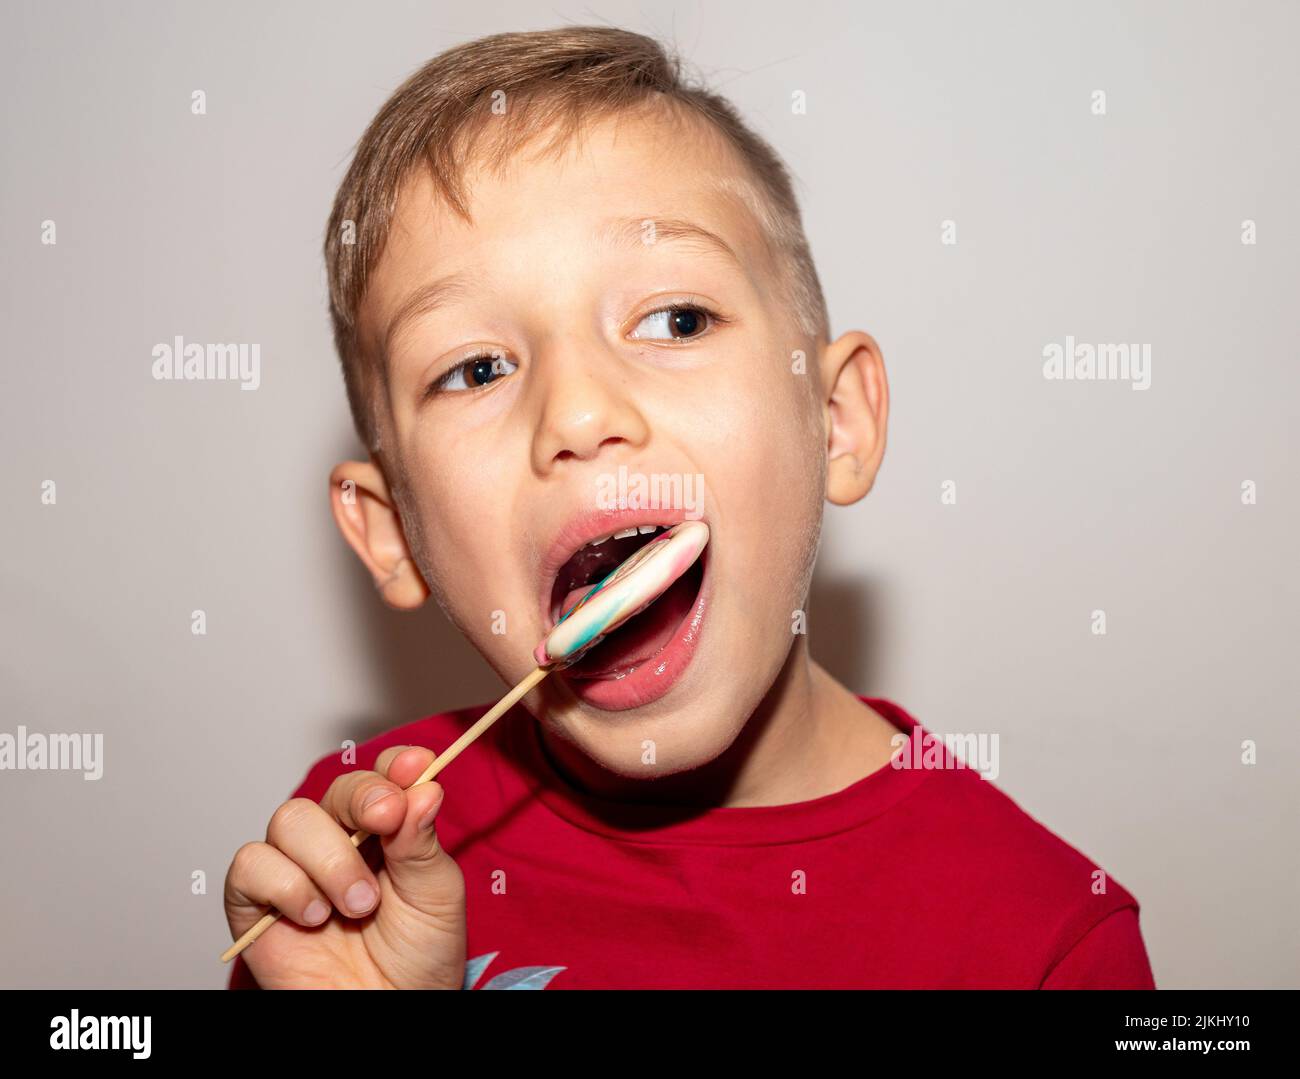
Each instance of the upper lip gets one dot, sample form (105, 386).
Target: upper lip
(585, 527)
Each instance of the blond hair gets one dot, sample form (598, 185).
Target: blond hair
(553, 79)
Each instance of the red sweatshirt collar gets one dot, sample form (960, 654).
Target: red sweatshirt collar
(744, 826)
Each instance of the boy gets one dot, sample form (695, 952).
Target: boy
(554, 264)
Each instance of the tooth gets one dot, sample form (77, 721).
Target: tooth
(625, 533)
(643, 529)
(597, 542)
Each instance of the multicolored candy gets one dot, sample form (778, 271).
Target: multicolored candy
(624, 593)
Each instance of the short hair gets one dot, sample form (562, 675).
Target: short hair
(552, 79)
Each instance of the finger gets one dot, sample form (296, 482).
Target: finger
(365, 800)
(422, 874)
(262, 876)
(313, 839)
(403, 765)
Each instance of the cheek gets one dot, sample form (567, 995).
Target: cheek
(760, 444)
(464, 509)
(758, 434)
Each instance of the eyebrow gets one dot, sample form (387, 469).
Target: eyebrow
(626, 232)
(423, 300)
(633, 231)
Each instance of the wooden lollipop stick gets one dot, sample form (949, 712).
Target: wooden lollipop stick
(435, 766)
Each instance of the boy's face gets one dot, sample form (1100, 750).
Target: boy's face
(506, 466)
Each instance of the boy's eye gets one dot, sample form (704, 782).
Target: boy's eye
(674, 323)
(678, 322)
(474, 373)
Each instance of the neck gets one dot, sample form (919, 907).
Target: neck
(808, 737)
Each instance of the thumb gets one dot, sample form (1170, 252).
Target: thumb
(423, 875)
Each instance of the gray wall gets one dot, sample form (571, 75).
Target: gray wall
(1071, 496)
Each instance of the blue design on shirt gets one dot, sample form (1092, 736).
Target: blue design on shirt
(517, 978)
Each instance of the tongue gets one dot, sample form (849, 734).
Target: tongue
(574, 595)
(641, 637)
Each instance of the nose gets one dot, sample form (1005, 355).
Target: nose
(584, 405)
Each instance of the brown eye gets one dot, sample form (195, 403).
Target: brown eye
(677, 323)
(474, 373)
(480, 372)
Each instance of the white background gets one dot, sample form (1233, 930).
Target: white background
(975, 617)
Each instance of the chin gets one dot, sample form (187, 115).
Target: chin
(689, 727)
(621, 752)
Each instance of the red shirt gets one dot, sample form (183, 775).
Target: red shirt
(908, 878)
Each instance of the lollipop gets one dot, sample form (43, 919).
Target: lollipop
(626, 592)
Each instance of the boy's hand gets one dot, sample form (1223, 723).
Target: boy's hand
(400, 925)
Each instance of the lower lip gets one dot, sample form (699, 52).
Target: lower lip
(654, 677)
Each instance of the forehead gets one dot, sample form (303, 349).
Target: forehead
(625, 176)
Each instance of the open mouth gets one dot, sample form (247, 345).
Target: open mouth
(643, 638)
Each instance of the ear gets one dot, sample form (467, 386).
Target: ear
(855, 412)
(367, 516)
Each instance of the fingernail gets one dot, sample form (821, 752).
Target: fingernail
(316, 912)
(375, 796)
(426, 822)
(360, 897)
